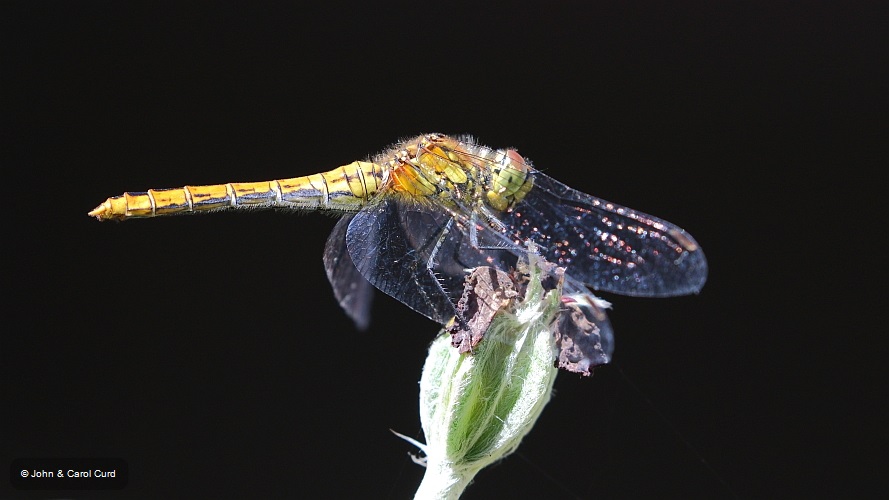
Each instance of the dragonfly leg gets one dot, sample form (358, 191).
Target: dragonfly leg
(430, 261)
(491, 223)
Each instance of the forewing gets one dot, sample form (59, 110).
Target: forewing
(353, 292)
(607, 246)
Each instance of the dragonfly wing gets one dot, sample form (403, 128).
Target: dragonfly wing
(394, 248)
(607, 246)
(353, 292)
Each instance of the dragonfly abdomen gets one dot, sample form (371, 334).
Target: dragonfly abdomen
(344, 189)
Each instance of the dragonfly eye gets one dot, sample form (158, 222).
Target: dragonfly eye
(513, 157)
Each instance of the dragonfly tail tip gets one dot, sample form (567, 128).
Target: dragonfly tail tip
(100, 213)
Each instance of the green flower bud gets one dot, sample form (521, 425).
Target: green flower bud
(476, 407)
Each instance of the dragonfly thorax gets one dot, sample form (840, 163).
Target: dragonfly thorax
(458, 172)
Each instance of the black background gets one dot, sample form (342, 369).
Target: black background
(209, 353)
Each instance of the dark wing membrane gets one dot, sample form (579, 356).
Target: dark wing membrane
(607, 246)
(384, 252)
(353, 292)
(409, 254)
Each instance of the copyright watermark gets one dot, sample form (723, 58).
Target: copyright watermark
(68, 473)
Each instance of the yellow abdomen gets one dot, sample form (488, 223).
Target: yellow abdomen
(344, 189)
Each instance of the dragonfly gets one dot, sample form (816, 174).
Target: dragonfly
(418, 216)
